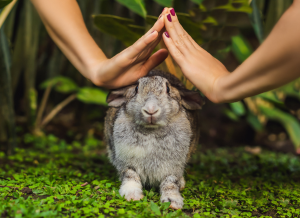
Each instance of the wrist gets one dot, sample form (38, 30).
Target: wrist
(94, 71)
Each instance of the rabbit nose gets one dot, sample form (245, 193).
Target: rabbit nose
(150, 112)
(151, 108)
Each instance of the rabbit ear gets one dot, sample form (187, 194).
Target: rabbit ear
(191, 100)
(116, 98)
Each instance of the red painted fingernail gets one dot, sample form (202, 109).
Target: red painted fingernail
(152, 31)
(172, 12)
(167, 34)
(163, 10)
(169, 17)
(159, 17)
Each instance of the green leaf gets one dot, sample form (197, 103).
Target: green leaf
(270, 96)
(165, 205)
(155, 208)
(92, 95)
(61, 84)
(231, 115)
(136, 6)
(241, 48)
(257, 21)
(290, 123)
(165, 3)
(151, 20)
(117, 27)
(197, 1)
(238, 108)
(254, 122)
(6, 93)
(3, 3)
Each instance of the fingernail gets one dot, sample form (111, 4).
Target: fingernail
(167, 34)
(159, 17)
(163, 10)
(152, 31)
(169, 17)
(172, 12)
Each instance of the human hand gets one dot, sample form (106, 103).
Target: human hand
(132, 63)
(201, 68)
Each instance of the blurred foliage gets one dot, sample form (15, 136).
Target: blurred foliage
(219, 26)
(268, 105)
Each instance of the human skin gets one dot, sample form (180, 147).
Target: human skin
(275, 63)
(65, 25)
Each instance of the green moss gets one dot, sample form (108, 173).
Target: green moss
(220, 183)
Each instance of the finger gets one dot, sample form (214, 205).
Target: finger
(178, 42)
(150, 37)
(140, 45)
(155, 59)
(174, 51)
(183, 35)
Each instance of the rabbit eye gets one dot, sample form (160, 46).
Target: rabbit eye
(168, 89)
(137, 89)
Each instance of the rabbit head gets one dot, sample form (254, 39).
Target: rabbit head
(155, 100)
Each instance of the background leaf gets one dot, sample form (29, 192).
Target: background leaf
(165, 3)
(155, 208)
(238, 108)
(61, 84)
(114, 26)
(92, 95)
(136, 6)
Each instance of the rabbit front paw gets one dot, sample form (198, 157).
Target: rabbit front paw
(131, 190)
(175, 199)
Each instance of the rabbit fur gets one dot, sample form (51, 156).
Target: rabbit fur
(151, 128)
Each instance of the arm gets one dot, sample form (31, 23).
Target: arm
(64, 23)
(275, 63)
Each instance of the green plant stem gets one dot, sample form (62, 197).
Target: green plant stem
(42, 107)
(58, 108)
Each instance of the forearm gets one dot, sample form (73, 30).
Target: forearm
(275, 63)
(65, 24)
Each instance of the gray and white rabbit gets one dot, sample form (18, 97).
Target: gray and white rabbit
(151, 128)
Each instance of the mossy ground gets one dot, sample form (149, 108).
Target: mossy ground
(220, 183)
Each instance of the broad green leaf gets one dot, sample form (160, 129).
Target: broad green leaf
(271, 97)
(136, 6)
(241, 48)
(137, 29)
(61, 84)
(151, 20)
(229, 7)
(165, 205)
(290, 123)
(92, 95)
(117, 27)
(165, 3)
(197, 1)
(155, 208)
(254, 122)
(238, 108)
(231, 115)
(3, 3)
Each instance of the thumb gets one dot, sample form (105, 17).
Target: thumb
(155, 59)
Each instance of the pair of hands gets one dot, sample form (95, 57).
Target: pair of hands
(202, 69)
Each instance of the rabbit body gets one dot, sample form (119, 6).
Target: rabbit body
(150, 135)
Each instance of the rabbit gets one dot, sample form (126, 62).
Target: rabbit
(150, 130)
